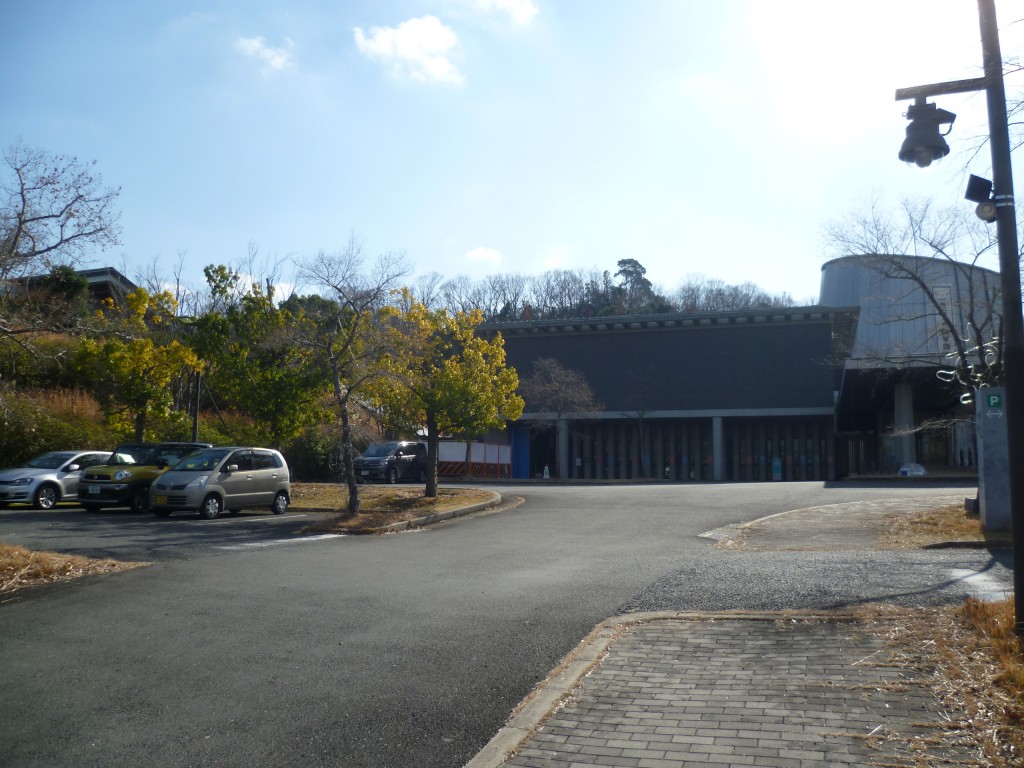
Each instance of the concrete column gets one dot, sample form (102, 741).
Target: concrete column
(623, 445)
(717, 450)
(563, 449)
(903, 424)
(673, 453)
(588, 454)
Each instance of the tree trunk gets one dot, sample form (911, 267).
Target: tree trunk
(341, 398)
(140, 426)
(433, 439)
(346, 459)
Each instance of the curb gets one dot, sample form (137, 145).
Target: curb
(418, 522)
(437, 517)
(550, 694)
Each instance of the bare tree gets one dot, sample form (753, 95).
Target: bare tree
(509, 296)
(554, 389)
(462, 294)
(965, 321)
(426, 289)
(700, 294)
(346, 333)
(556, 392)
(54, 212)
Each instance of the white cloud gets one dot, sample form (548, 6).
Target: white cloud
(274, 59)
(419, 49)
(520, 11)
(484, 254)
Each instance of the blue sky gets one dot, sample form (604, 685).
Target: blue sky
(485, 136)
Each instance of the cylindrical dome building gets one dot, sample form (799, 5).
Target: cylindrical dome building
(917, 317)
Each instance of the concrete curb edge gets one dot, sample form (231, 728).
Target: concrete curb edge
(438, 517)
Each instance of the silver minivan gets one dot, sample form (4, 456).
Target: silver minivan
(218, 479)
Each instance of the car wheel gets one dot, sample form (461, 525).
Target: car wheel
(140, 500)
(46, 497)
(162, 512)
(91, 507)
(392, 475)
(280, 504)
(211, 507)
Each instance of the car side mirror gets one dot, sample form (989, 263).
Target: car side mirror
(72, 468)
(231, 468)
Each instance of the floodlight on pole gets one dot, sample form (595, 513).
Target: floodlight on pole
(924, 142)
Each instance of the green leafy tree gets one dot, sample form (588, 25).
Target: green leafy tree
(445, 377)
(132, 365)
(252, 362)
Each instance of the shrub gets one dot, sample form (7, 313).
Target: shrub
(32, 423)
(312, 456)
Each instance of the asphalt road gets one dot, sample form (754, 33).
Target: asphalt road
(400, 650)
(142, 537)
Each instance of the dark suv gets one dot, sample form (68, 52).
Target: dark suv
(391, 462)
(124, 481)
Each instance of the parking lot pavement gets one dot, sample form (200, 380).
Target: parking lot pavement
(124, 535)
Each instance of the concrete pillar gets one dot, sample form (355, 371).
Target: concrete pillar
(588, 454)
(562, 449)
(717, 450)
(903, 424)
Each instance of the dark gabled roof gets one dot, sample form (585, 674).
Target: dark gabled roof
(676, 320)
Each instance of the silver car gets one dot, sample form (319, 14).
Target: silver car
(218, 479)
(47, 479)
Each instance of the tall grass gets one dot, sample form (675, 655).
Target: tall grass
(993, 623)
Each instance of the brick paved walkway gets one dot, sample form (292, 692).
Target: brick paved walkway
(743, 692)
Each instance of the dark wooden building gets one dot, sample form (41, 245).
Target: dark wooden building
(730, 396)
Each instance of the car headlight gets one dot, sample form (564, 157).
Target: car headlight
(199, 482)
(122, 474)
(22, 481)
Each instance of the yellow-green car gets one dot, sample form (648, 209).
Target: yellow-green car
(124, 481)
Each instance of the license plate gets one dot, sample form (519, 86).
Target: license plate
(161, 499)
(94, 489)
(365, 472)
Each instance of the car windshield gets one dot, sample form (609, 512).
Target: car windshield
(132, 454)
(203, 461)
(378, 450)
(49, 460)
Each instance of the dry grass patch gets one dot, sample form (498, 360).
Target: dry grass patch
(21, 568)
(380, 505)
(951, 650)
(935, 526)
(992, 622)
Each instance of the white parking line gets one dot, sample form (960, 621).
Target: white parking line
(276, 542)
(984, 585)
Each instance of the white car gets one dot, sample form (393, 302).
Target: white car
(47, 479)
(912, 470)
